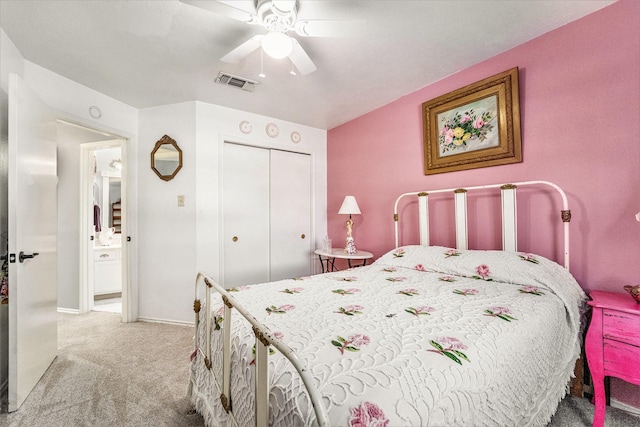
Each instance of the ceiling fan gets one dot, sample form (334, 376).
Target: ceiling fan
(278, 17)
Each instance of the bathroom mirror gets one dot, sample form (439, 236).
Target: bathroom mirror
(166, 158)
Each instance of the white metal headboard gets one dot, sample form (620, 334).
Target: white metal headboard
(509, 214)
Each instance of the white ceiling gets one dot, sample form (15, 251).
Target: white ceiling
(154, 52)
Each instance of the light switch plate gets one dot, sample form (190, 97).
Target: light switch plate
(181, 201)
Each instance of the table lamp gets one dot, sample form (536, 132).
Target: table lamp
(349, 207)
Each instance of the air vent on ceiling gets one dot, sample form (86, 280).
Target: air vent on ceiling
(236, 81)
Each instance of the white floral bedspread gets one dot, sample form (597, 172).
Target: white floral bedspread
(423, 336)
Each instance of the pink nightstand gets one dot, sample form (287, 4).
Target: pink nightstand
(612, 344)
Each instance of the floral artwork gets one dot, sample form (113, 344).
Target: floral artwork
(420, 311)
(409, 292)
(475, 126)
(501, 313)
(280, 310)
(469, 129)
(343, 292)
(396, 279)
(528, 289)
(350, 310)
(447, 279)
(529, 257)
(292, 290)
(368, 414)
(450, 347)
(353, 343)
(465, 292)
(483, 273)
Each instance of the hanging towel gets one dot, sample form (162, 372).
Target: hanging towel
(96, 218)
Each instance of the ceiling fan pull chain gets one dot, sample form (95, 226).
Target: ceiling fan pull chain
(262, 75)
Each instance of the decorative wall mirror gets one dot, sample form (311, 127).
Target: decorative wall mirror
(166, 158)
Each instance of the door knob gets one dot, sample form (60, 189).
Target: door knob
(22, 256)
(235, 238)
(302, 236)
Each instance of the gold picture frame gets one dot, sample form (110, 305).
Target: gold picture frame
(473, 127)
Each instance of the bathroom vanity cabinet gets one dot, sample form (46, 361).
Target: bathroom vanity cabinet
(107, 269)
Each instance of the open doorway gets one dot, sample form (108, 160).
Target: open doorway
(103, 260)
(92, 178)
(106, 229)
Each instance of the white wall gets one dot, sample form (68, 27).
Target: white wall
(169, 243)
(177, 242)
(215, 125)
(167, 232)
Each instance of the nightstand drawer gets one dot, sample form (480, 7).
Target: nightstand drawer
(623, 359)
(621, 326)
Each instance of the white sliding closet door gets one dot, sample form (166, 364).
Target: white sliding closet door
(266, 215)
(245, 215)
(290, 214)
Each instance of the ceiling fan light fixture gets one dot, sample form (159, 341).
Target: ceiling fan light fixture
(277, 45)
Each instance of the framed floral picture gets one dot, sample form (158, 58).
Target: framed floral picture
(473, 127)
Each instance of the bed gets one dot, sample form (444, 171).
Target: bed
(426, 335)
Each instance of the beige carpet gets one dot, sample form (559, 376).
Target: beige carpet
(109, 373)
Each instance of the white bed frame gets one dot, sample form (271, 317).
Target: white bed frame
(264, 338)
(509, 214)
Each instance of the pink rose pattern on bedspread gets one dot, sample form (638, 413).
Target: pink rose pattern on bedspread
(433, 324)
(367, 415)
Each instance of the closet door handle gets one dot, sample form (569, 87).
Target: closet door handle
(302, 236)
(234, 238)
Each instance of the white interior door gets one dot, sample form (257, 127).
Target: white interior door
(32, 230)
(245, 215)
(290, 215)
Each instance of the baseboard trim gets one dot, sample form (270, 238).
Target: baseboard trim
(141, 319)
(627, 408)
(169, 322)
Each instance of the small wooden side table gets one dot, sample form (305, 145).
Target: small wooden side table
(328, 259)
(612, 344)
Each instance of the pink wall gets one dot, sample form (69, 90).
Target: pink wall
(580, 115)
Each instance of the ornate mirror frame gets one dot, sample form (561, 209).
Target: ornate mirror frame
(172, 154)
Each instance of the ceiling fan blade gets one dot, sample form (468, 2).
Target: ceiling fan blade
(283, 6)
(300, 59)
(330, 28)
(244, 49)
(224, 9)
